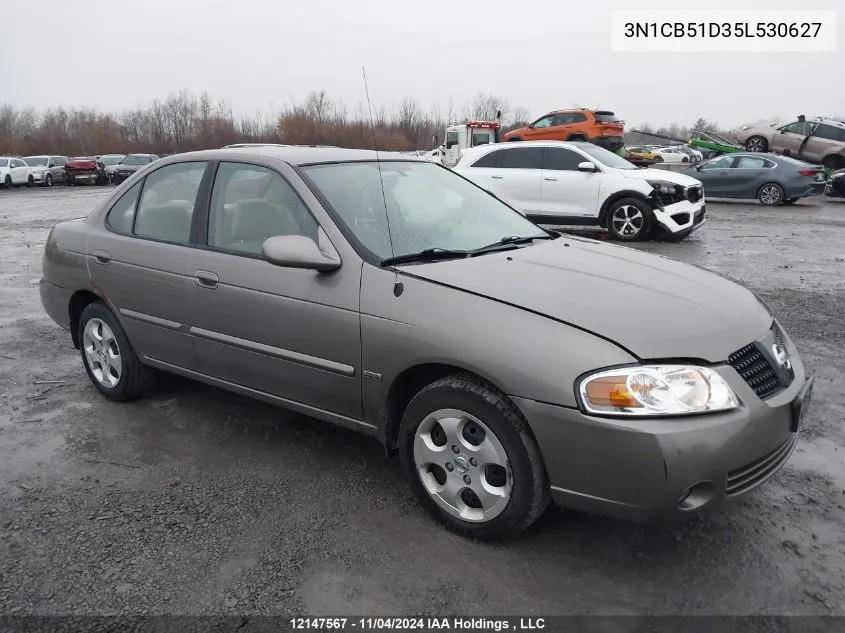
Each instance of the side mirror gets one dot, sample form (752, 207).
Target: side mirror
(298, 251)
(587, 166)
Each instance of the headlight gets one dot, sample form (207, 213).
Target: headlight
(662, 186)
(651, 390)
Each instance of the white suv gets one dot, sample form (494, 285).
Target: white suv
(14, 172)
(580, 183)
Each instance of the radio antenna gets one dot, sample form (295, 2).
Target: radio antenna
(397, 285)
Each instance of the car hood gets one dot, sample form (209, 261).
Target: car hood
(660, 174)
(652, 306)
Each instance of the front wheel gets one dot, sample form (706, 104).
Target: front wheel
(110, 361)
(770, 194)
(30, 181)
(8, 182)
(471, 459)
(48, 180)
(629, 219)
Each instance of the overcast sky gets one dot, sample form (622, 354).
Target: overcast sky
(538, 54)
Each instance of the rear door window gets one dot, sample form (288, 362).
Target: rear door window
(493, 159)
(122, 215)
(830, 132)
(167, 202)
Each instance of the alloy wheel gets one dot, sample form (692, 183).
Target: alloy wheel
(102, 352)
(462, 465)
(627, 220)
(770, 194)
(755, 144)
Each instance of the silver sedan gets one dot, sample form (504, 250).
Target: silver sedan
(505, 365)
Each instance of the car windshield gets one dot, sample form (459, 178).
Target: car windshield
(111, 160)
(135, 160)
(605, 157)
(36, 161)
(429, 207)
(606, 117)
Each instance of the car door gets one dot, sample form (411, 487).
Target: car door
(518, 179)
(791, 137)
(826, 140)
(288, 332)
(746, 175)
(540, 129)
(142, 261)
(715, 175)
(20, 171)
(565, 190)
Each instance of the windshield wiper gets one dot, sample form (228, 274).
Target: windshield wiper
(508, 242)
(425, 255)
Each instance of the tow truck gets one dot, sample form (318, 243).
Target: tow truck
(470, 134)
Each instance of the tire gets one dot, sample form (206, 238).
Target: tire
(577, 137)
(685, 159)
(30, 181)
(8, 182)
(132, 380)
(756, 144)
(48, 180)
(770, 194)
(637, 219)
(477, 410)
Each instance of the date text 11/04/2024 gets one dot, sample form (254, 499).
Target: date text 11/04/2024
(465, 624)
(722, 29)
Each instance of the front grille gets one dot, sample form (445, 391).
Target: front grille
(694, 194)
(751, 475)
(755, 370)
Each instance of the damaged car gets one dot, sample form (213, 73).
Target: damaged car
(817, 140)
(835, 185)
(85, 170)
(578, 183)
(505, 365)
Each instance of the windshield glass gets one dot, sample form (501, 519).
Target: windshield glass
(605, 157)
(606, 117)
(111, 160)
(36, 161)
(428, 206)
(135, 160)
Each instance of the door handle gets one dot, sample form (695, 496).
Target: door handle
(101, 257)
(205, 279)
(723, 173)
(549, 178)
(496, 177)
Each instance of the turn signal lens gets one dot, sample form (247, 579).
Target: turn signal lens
(656, 390)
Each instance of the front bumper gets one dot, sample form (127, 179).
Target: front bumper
(681, 217)
(84, 177)
(645, 469)
(38, 176)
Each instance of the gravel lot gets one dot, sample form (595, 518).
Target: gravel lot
(196, 501)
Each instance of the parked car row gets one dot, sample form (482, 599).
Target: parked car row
(659, 154)
(48, 169)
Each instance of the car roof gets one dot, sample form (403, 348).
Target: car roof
(297, 154)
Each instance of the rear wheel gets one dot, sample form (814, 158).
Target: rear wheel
(770, 194)
(110, 361)
(471, 459)
(48, 180)
(629, 219)
(756, 144)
